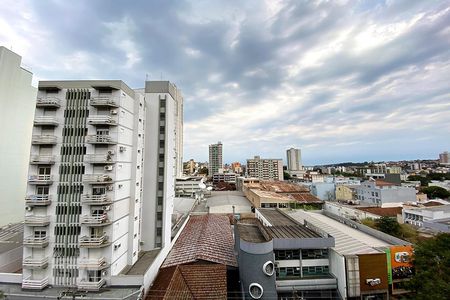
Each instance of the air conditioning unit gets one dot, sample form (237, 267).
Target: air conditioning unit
(111, 152)
(110, 188)
(28, 208)
(114, 111)
(122, 149)
(106, 207)
(108, 168)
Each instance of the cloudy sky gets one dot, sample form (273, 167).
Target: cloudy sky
(342, 80)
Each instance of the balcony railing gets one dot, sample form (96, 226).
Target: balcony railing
(91, 284)
(102, 120)
(43, 139)
(97, 179)
(96, 199)
(105, 101)
(40, 179)
(48, 102)
(100, 139)
(42, 159)
(35, 263)
(99, 158)
(96, 220)
(37, 220)
(36, 242)
(38, 200)
(93, 263)
(46, 120)
(94, 242)
(34, 284)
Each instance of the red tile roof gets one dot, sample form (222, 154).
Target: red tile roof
(432, 203)
(305, 198)
(206, 237)
(383, 211)
(282, 187)
(190, 282)
(380, 182)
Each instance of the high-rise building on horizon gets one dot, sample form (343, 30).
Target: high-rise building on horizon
(103, 156)
(444, 158)
(215, 158)
(265, 168)
(17, 105)
(294, 159)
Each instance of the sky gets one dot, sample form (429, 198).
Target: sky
(341, 80)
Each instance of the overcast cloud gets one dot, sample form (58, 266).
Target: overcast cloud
(342, 80)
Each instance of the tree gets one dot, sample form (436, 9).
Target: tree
(388, 225)
(436, 192)
(431, 262)
(286, 176)
(423, 180)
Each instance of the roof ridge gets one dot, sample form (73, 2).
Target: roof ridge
(185, 281)
(200, 237)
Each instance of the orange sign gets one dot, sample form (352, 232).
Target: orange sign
(401, 264)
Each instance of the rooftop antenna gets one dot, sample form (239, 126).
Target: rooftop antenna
(146, 76)
(161, 76)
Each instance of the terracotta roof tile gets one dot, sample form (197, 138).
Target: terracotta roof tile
(383, 211)
(205, 237)
(190, 282)
(305, 198)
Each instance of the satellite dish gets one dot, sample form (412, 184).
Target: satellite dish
(202, 185)
(209, 188)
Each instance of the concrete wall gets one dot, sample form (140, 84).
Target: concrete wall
(337, 268)
(17, 106)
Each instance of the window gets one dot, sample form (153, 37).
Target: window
(315, 271)
(287, 254)
(255, 290)
(314, 253)
(42, 190)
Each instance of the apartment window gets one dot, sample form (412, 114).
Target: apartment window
(159, 216)
(315, 271)
(286, 273)
(287, 254)
(42, 190)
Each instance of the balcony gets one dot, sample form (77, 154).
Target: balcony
(101, 139)
(42, 159)
(94, 242)
(40, 179)
(95, 220)
(35, 263)
(97, 179)
(104, 101)
(48, 102)
(36, 241)
(92, 263)
(43, 139)
(99, 158)
(102, 120)
(46, 121)
(34, 284)
(38, 200)
(91, 284)
(95, 199)
(37, 220)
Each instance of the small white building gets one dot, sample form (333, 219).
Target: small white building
(417, 216)
(224, 177)
(382, 193)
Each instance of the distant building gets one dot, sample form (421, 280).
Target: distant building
(443, 158)
(294, 159)
(443, 184)
(236, 167)
(189, 167)
(17, 106)
(381, 193)
(224, 177)
(345, 192)
(215, 158)
(265, 169)
(241, 181)
(187, 186)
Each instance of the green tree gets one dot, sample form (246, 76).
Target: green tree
(431, 261)
(423, 180)
(388, 225)
(286, 176)
(436, 192)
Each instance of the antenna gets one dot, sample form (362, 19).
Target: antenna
(161, 76)
(146, 76)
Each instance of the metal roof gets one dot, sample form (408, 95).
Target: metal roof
(291, 232)
(348, 240)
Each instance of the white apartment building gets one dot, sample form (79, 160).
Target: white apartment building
(224, 177)
(265, 169)
(215, 158)
(102, 157)
(17, 105)
(294, 159)
(381, 193)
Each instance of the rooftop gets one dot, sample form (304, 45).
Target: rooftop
(282, 187)
(251, 233)
(291, 232)
(11, 236)
(382, 211)
(144, 261)
(347, 240)
(432, 203)
(305, 198)
(380, 182)
(235, 198)
(205, 237)
(190, 282)
(277, 218)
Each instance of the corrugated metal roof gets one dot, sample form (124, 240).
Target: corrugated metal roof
(291, 232)
(205, 237)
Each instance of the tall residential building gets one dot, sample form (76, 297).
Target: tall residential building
(294, 159)
(443, 158)
(164, 160)
(17, 105)
(265, 169)
(215, 158)
(102, 157)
